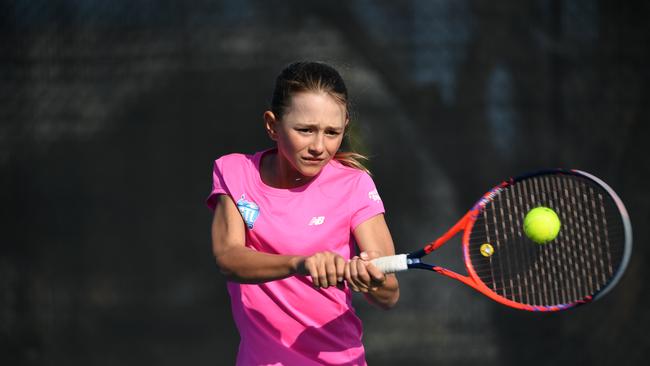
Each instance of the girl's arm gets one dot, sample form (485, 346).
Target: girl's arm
(242, 264)
(374, 240)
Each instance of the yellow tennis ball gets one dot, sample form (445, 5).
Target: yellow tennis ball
(541, 225)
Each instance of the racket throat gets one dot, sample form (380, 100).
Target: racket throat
(417, 263)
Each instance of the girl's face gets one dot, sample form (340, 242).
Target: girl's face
(310, 132)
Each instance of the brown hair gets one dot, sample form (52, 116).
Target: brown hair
(312, 76)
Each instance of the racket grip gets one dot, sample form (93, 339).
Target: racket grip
(391, 263)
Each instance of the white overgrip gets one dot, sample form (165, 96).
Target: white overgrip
(391, 263)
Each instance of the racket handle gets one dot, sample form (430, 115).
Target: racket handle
(391, 263)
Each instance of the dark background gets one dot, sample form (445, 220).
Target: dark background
(111, 113)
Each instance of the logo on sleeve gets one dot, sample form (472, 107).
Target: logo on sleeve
(249, 211)
(374, 195)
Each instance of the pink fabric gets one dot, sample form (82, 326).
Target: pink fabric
(289, 322)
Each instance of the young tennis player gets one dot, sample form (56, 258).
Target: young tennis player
(287, 224)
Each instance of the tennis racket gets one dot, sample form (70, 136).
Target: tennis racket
(580, 265)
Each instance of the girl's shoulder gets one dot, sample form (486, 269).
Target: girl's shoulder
(237, 160)
(346, 172)
(345, 179)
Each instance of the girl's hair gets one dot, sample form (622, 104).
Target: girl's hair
(309, 76)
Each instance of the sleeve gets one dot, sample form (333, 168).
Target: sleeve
(366, 202)
(218, 185)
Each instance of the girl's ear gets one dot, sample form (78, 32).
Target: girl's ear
(270, 123)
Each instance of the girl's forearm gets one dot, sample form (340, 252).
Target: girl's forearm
(244, 265)
(385, 296)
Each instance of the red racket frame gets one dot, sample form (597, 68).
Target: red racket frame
(466, 224)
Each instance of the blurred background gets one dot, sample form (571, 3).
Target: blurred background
(112, 112)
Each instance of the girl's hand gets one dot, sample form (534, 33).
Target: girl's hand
(363, 276)
(325, 268)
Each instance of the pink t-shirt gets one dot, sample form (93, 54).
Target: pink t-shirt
(288, 321)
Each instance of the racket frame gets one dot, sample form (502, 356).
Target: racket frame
(466, 223)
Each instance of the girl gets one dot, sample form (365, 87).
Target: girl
(286, 223)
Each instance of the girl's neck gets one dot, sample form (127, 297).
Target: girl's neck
(276, 172)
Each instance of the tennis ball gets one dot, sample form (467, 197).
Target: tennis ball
(541, 225)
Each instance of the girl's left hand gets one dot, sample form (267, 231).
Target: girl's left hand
(363, 276)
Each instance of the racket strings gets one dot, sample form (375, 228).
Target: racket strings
(577, 264)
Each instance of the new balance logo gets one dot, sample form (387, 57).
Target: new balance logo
(317, 220)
